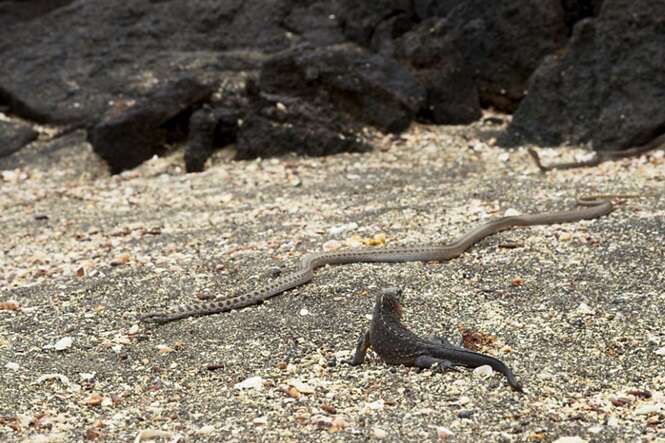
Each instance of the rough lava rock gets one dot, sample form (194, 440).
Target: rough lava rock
(359, 20)
(433, 8)
(96, 52)
(316, 23)
(133, 131)
(576, 10)
(431, 53)
(372, 89)
(309, 100)
(103, 66)
(20, 11)
(276, 124)
(502, 41)
(135, 71)
(607, 87)
(52, 154)
(13, 136)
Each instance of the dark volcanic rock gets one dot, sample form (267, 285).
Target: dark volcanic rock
(607, 87)
(504, 41)
(576, 10)
(385, 34)
(99, 51)
(314, 133)
(316, 23)
(16, 12)
(433, 8)
(501, 41)
(360, 19)
(431, 53)
(309, 100)
(372, 89)
(134, 131)
(13, 136)
(54, 154)
(276, 124)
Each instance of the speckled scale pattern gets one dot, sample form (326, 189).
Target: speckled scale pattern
(397, 345)
(590, 209)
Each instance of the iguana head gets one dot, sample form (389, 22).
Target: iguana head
(390, 300)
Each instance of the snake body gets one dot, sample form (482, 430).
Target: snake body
(590, 208)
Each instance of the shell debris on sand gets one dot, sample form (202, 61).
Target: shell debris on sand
(575, 310)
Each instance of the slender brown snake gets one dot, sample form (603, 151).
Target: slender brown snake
(598, 156)
(591, 207)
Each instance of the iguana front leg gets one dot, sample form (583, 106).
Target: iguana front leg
(361, 349)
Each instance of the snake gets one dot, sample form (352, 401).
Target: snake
(589, 208)
(599, 156)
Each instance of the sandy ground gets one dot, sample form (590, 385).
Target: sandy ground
(576, 310)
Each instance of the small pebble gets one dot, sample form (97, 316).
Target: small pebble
(154, 434)
(292, 392)
(465, 414)
(443, 433)
(483, 371)
(63, 343)
(331, 245)
(339, 423)
(9, 305)
(205, 430)
(612, 421)
(340, 229)
(565, 236)
(93, 400)
(647, 409)
(585, 309)
(281, 365)
(120, 260)
(376, 405)
(302, 387)
(573, 439)
(255, 382)
(164, 349)
(379, 433)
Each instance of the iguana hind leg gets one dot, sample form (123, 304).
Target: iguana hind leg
(437, 364)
